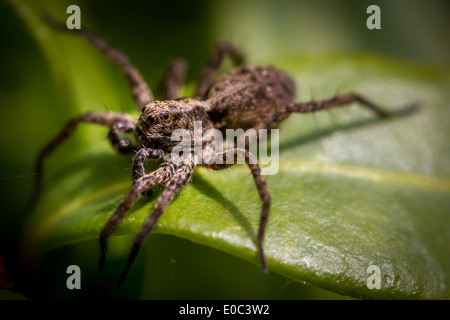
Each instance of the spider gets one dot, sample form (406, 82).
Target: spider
(248, 96)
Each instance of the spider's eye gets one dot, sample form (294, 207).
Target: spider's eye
(165, 116)
(150, 119)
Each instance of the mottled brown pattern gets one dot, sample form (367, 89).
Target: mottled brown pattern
(247, 97)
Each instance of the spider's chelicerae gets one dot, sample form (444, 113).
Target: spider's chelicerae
(258, 97)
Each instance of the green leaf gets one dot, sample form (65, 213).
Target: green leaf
(352, 191)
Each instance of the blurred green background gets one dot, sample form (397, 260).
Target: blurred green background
(32, 93)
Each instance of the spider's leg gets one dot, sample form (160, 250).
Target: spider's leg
(120, 143)
(209, 71)
(141, 185)
(173, 80)
(139, 88)
(260, 183)
(109, 119)
(339, 100)
(180, 179)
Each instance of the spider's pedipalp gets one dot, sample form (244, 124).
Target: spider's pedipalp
(177, 182)
(139, 160)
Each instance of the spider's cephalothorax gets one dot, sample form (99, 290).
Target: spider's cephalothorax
(258, 97)
(159, 119)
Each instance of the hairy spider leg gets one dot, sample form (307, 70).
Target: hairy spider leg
(120, 143)
(339, 100)
(139, 88)
(179, 180)
(173, 80)
(141, 185)
(118, 122)
(260, 183)
(219, 53)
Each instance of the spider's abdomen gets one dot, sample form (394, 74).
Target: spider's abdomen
(249, 96)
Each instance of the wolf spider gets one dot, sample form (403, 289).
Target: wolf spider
(257, 97)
